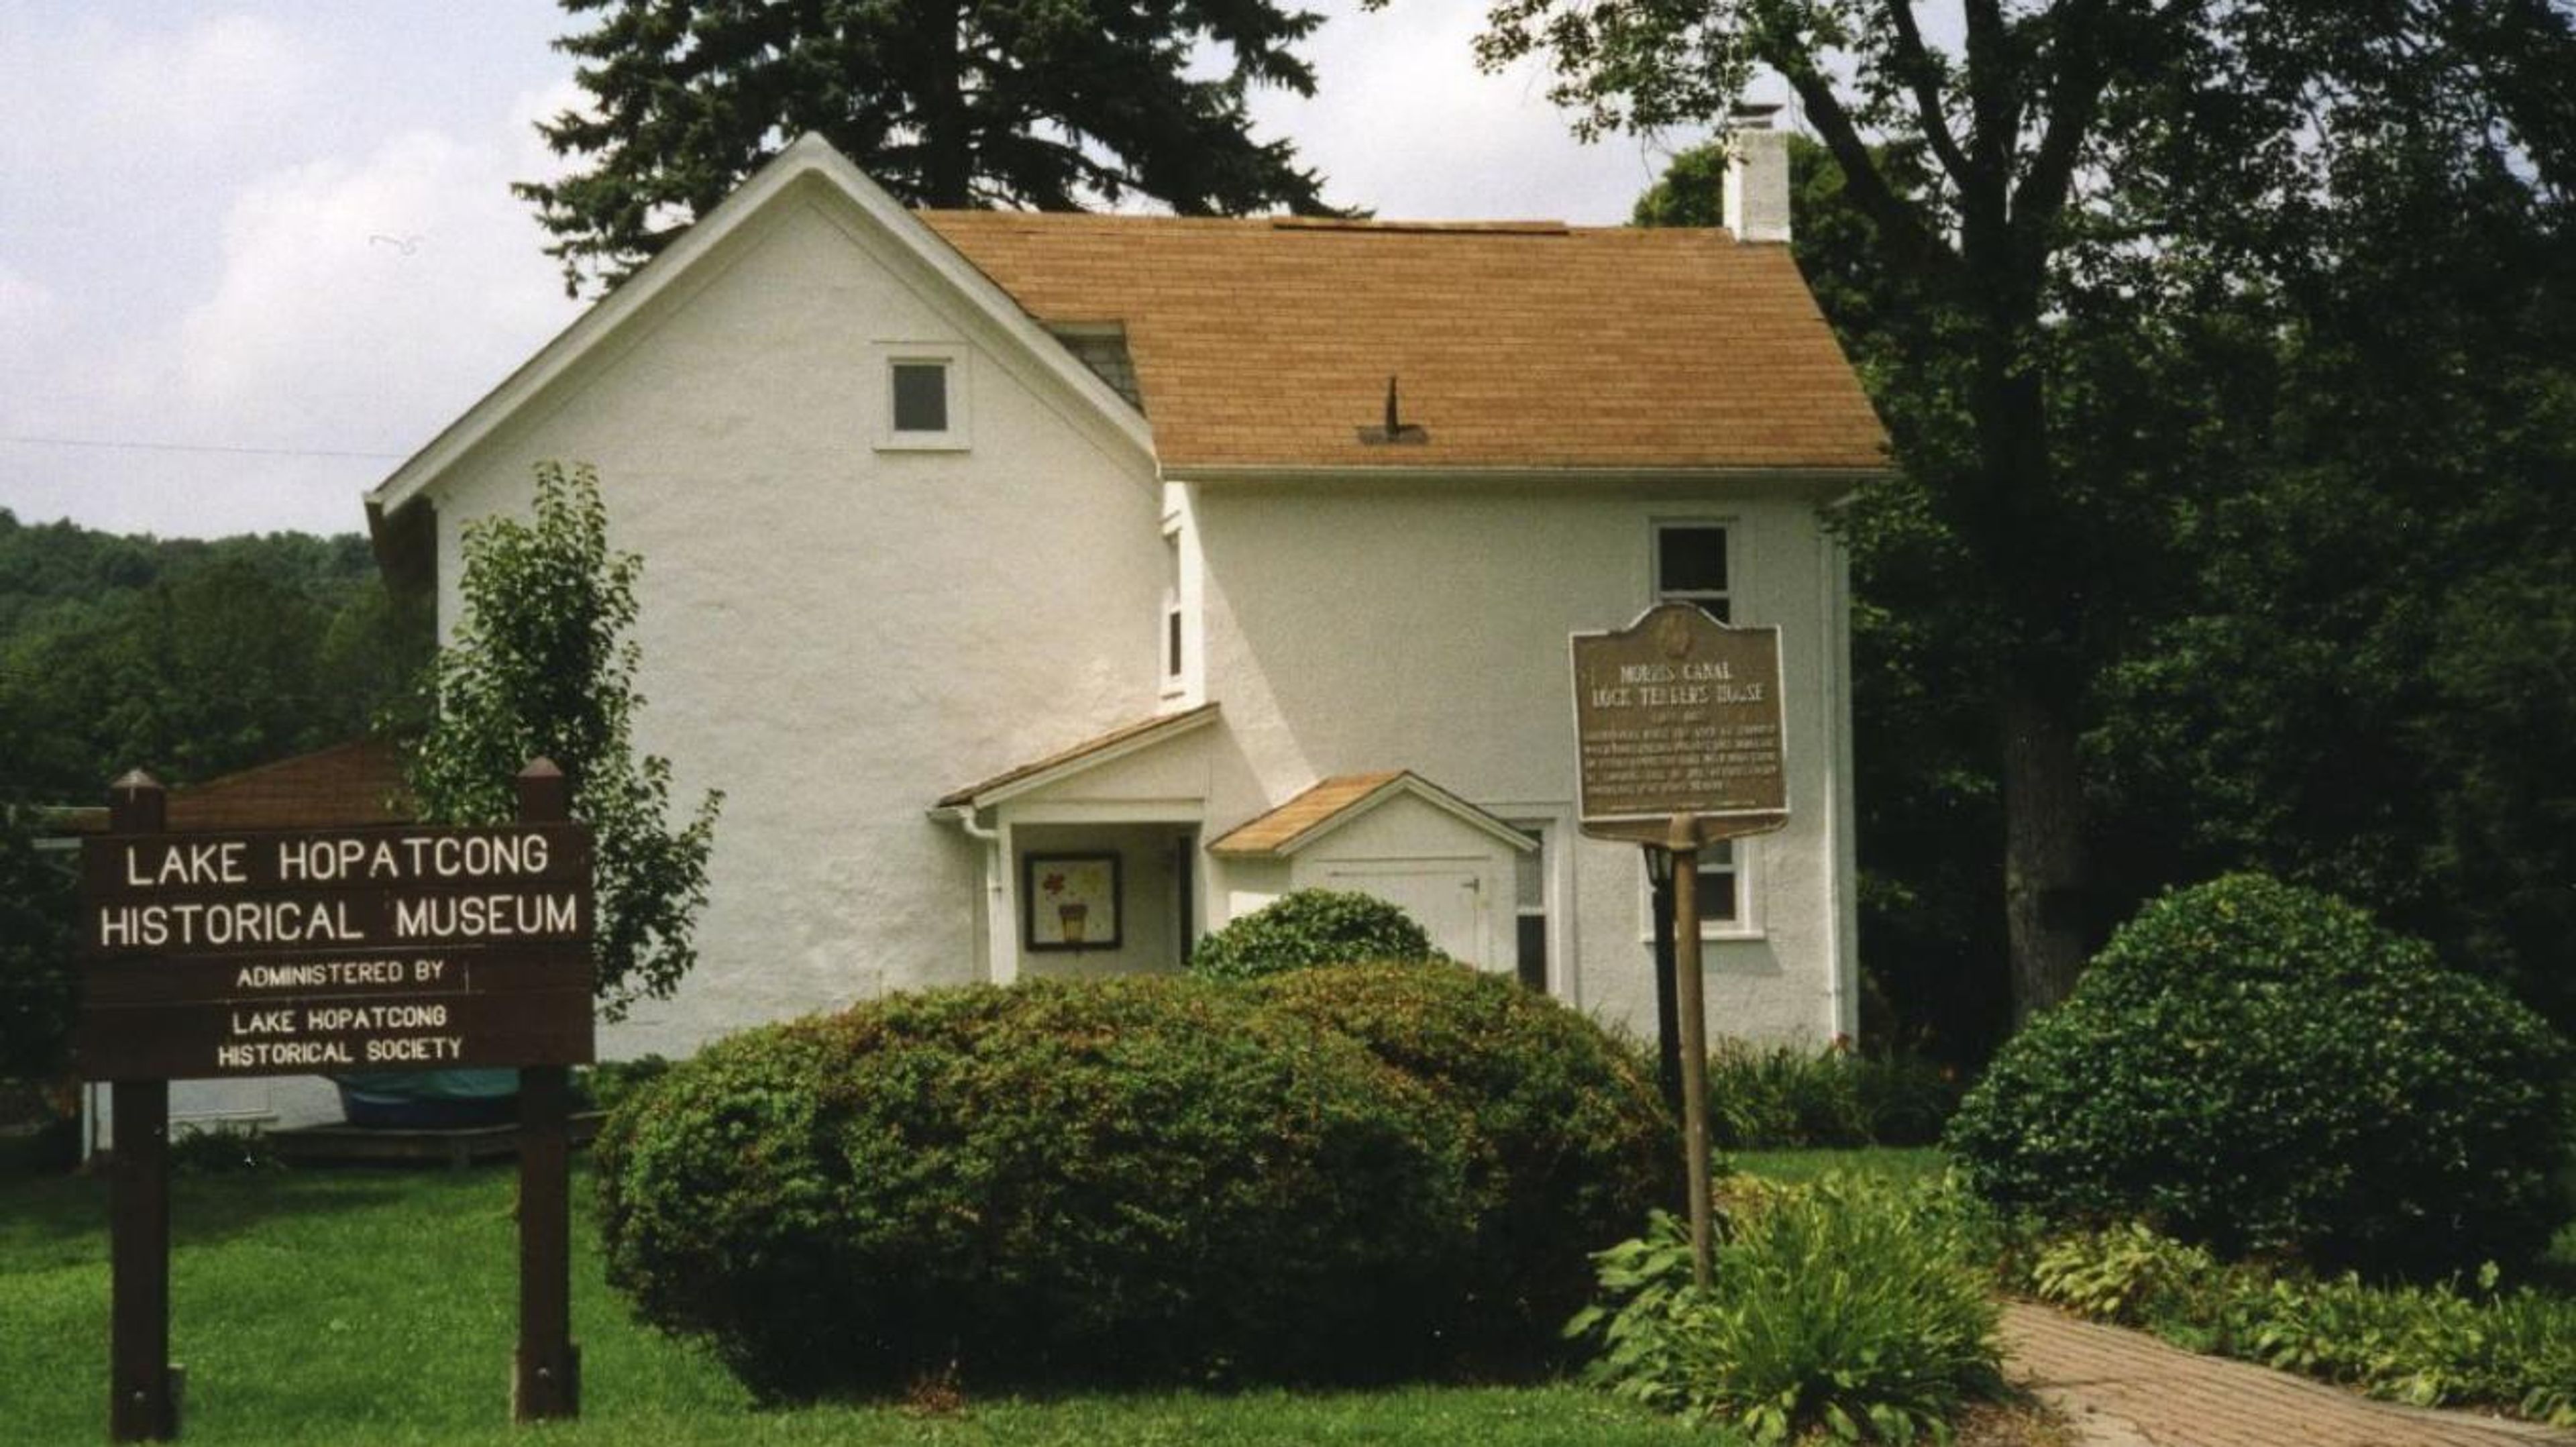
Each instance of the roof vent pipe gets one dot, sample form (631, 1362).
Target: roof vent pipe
(1757, 176)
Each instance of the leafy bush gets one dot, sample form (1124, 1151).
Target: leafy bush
(611, 1083)
(1570, 1144)
(1308, 927)
(1844, 1306)
(1135, 1178)
(2263, 1069)
(1789, 1096)
(2441, 1345)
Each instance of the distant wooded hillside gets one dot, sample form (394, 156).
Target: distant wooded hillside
(186, 656)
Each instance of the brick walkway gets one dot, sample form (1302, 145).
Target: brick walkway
(2126, 1389)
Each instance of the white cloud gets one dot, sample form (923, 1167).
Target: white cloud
(1402, 121)
(353, 294)
(207, 86)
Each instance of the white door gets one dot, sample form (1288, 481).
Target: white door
(1447, 900)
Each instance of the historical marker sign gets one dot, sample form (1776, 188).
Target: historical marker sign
(335, 950)
(1679, 714)
(1679, 742)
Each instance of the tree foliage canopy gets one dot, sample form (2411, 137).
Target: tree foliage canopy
(949, 103)
(187, 657)
(540, 666)
(2098, 218)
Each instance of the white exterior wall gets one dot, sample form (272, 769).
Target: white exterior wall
(832, 633)
(1454, 879)
(1422, 625)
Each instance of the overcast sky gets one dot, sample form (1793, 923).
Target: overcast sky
(252, 255)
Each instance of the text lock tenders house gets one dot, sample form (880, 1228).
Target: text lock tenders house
(1044, 591)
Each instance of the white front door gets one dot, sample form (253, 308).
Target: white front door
(1447, 900)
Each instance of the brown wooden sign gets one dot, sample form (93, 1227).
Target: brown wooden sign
(297, 1034)
(1679, 714)
(334, 950)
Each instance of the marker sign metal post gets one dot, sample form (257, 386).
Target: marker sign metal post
(332, 950)
(1680, 741)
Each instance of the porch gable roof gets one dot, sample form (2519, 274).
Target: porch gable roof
(1331, 803)
(1090, 753)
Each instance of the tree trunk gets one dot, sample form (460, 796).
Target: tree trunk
(947, 170)
(2017, 519)
(2044, 867)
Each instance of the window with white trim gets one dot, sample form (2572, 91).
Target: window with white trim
(1692, 565)
(923, 397)
(1171, 611)
(920, 396)
(1529, 905)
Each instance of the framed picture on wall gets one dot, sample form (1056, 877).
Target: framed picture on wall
(1070, 901)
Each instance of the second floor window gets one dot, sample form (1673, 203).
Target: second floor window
(1690, 566)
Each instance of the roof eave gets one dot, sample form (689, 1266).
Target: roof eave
(809, 158)
(1829, 481)
(1008, 786)
(1406, 782)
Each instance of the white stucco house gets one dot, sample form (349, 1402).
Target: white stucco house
(1045, 591)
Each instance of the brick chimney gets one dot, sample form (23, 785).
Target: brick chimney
(1757, 176)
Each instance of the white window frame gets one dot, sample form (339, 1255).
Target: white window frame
(956, 361)
(1172, 644)
(1747, 924)
(1655, 590)
(1556, 859)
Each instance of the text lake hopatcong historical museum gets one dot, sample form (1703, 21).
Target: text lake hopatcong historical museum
(1045, 591)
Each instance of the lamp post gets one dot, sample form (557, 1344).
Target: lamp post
(1668, 1023)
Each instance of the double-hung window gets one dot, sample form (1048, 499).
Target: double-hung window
(1692, 564)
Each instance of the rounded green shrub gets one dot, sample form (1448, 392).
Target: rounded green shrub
(2263, 1069)
(1571, 1144)
(1129, 1179)
(1309, 927)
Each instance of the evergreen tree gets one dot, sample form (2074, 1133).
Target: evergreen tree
(951, 103)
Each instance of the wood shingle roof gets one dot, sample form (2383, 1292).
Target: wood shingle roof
(1268, 343)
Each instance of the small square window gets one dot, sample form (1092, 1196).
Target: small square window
(921, 396)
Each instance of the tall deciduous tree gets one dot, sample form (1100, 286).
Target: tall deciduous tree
(945, 102)
(540, 666)
(2087, 169)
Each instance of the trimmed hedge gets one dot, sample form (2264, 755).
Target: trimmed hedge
(1571, 1143)
(1128, 1179)
(2264, 1069)
(1309, 927)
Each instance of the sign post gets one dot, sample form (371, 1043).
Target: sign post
(1679, 743)
(545, 1380)
(213, 955)
(143, 1403)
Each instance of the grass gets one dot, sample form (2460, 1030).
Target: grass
(350, 1306)
(1794, 1167)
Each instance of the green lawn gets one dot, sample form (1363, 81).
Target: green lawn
(349, 1306)
(1792, 1167)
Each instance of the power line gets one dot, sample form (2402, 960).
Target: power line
(109, 444)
